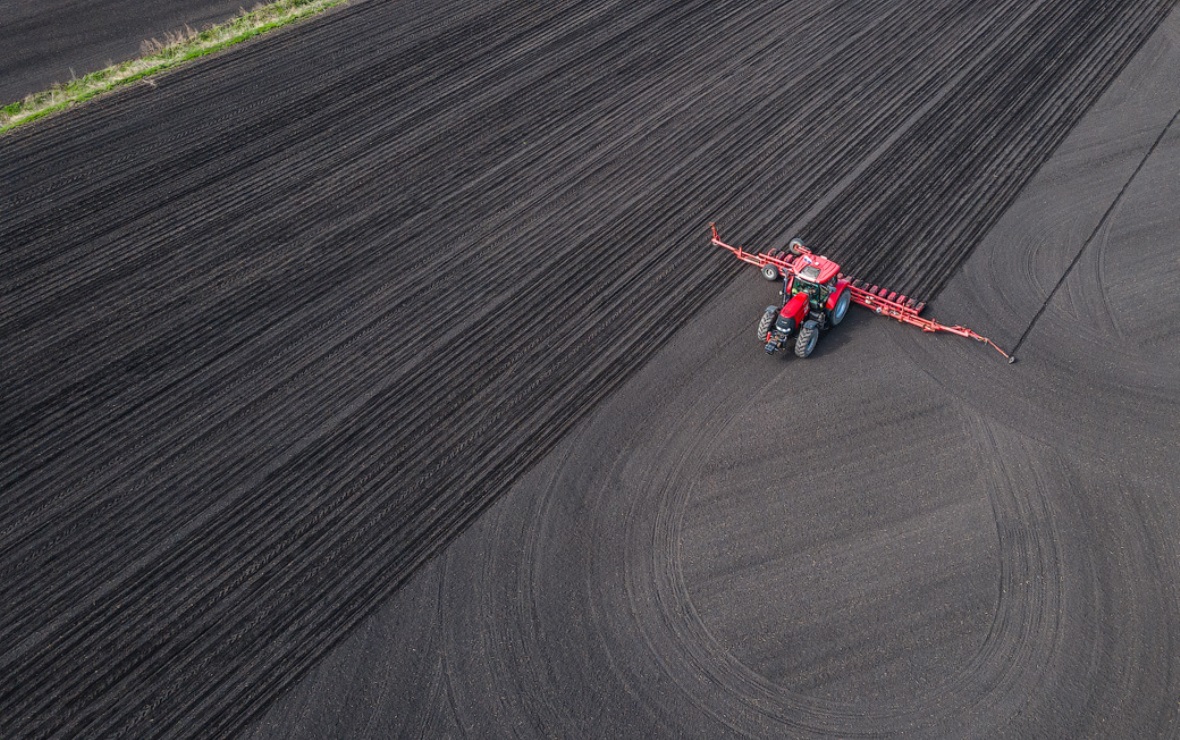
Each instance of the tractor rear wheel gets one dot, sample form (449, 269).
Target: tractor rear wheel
(836, 315)
(808, 336)
(766, 322)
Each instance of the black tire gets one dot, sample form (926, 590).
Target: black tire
(793, 247)
(837, 314)
(770, 272)
(808, 336)
(766, 322)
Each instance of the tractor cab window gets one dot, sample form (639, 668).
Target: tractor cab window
(817, 294)
(804, 286)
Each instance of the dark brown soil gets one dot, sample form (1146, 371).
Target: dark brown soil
(274, 332)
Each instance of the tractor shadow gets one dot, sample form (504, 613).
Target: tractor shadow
(833, 341)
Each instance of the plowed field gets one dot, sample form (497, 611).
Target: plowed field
(274, 331)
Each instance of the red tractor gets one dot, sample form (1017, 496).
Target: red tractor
(814, 299)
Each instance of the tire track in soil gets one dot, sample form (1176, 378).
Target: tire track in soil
(1003, 670)
(246, 331)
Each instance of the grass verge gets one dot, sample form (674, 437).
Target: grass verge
(158, 56)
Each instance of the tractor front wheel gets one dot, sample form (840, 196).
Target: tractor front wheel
(808, 336)
(766, 322)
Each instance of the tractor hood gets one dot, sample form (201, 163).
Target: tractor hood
(795, 309)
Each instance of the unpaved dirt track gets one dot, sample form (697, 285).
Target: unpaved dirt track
(48, 41)
(277, 329)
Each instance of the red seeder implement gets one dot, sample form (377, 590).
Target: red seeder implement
(794, 267)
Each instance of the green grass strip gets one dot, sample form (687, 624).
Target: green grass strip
(159, 56)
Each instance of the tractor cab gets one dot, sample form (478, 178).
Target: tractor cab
(814, 297)
(814, 275)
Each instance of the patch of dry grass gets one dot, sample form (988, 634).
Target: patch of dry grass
(157, 56)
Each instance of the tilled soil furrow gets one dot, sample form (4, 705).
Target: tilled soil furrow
(235, 312)
(1045, 83)
(126, 509)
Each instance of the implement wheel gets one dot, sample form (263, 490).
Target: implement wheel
(808, 336)
(766, 322)
(770, 272)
